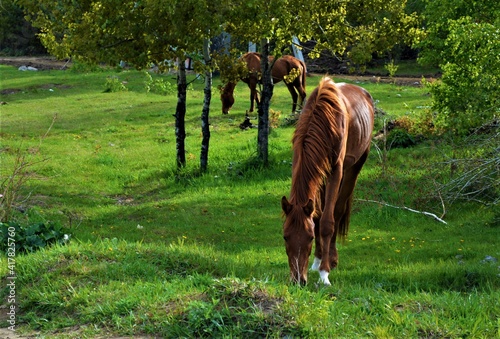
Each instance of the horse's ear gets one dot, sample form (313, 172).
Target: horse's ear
(285, 205)
(309, 208)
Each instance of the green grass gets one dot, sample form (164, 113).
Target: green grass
(160, 253)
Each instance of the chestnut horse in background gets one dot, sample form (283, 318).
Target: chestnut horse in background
(281, 68)
(330, 145)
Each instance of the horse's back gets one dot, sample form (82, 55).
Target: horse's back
(360, 109)
(284, 65)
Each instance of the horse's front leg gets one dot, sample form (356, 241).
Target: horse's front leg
(251, 101)
(320, 201)
(317, 250)
(252, 84)
(327, 223)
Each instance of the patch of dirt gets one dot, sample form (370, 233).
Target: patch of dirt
(50, 87)
(40, 63)
(5, 333)
(9, 91)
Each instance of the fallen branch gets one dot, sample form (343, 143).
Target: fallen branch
(406, 209)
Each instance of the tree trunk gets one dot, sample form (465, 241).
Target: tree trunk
(205, 125)
(180, 114)
(265, 101)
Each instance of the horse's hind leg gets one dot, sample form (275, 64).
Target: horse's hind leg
(343, 206)
(302, 94)
(253, 98)
(334, 256)
(294, 94)
(300, 87)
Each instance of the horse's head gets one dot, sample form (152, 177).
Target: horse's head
(227, 97)
(298, 232)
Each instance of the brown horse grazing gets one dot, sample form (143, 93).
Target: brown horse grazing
(282, 68)
(330, 145)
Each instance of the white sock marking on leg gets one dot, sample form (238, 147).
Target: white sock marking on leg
(315, 265)
(323, 277)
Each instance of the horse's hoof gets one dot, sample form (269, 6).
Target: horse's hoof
(323, 277)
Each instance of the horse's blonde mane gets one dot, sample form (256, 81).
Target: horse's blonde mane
(321, 126)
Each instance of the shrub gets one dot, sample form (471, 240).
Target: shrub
(158, 86)
(392, 68)
(467, 95)
(113, 84)
(400, 138)
(399, 133)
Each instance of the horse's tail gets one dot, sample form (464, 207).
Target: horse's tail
(302, 85)
(303, 75)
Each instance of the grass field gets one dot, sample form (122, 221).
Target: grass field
(157, 253)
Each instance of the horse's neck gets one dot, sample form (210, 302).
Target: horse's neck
(300, 199)
(305, 186)
(229, 88)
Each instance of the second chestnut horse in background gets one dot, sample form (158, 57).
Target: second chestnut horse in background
(287, 68)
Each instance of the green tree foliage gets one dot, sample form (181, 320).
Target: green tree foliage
(468, 94)
(462, 39)
(141, 32)
(438, 16)
(138, 32)
(358, 29)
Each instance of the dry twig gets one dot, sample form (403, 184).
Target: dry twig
(406, 209)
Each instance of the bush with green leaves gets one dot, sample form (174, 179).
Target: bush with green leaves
(400, 138)
(438, 16)
(31, 238)
(158, 86)
(462, 39)
(113, 84)
(468, 94)
(392, 68)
